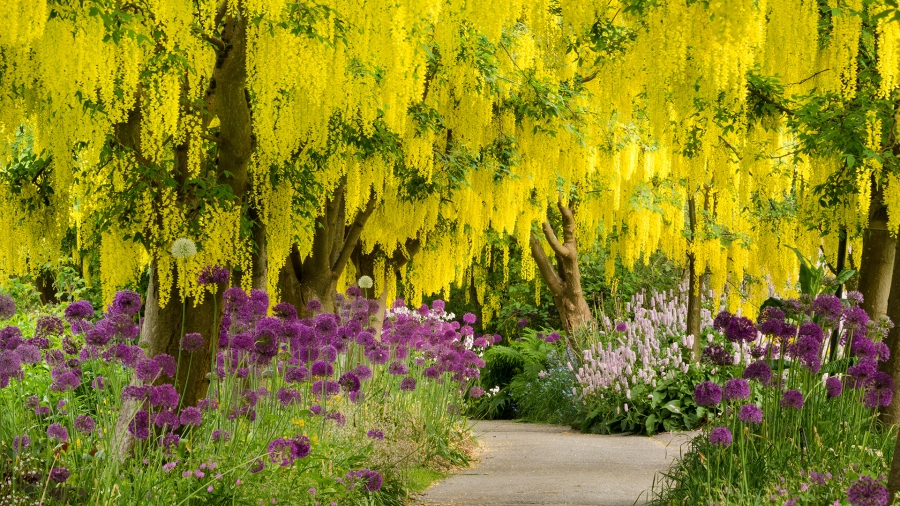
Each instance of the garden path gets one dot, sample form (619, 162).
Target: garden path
(550, 464)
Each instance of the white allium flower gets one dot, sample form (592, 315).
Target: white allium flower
(365, 282)
(183, 248)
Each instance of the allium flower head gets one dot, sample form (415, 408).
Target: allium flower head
(750, 413)
(862, 371)
(722, 320)
(854, 297)
(867, 492)
(313, 306)
(192, 342)
(84, 424)
(191, 416)
(834, 387)
(183, 248)
(375, 434)
(79, 310)
(856, 320)
(213, 274)
(29, 354)
(371, 479)
(147, 370)
(408, 384)
(720, 436)
(21, 442)
(771, 327)
(879, 390)
(792, 399)
(49, 326)
(287, 396)
(7, 307)
(716, 354)
(522, 323)
(740, 330)
(469, 318)
(707, 394)
(828, 308)
(476, 392)
(759, 371)
(349, 382)
(621, 327)
(126, 302)
(58, 432)
(365, 282)
(398, 368)
(736, 388)
(552, 337)
(59, 474)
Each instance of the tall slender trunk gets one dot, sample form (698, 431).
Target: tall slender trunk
(161, 332)
(890, 415)
(877, 262)
(695, 286)
(564, 281)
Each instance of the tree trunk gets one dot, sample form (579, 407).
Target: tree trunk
(891, 414)
(333, 244)
(877, 264)
(365, 265)
(695, 288)
(564, 282)
(161, 332)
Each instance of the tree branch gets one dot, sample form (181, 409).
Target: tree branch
(544, 266)
(352, 237)
(568, 219)
(558, 248)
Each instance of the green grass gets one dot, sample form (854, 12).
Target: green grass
(419, 478)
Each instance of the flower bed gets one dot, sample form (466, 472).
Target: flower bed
(298, 411)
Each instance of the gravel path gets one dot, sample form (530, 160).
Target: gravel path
(549, 464)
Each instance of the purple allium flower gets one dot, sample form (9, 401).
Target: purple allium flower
(431, 372)
(70, 347)
(552, 337)
(363, 372)
(720, 436)
(828, 307)
(84, 424)
(349, 382)
(792, 399)
(7, 307)
(219, 435)
(759, 371)
(721, 321)
(862, 371)
(867, 492)
(338, 418)
(287, 396)
(375, 434)
(476, 392)
(313, 306)
(716, 354)
(29, 354)
(147, 370)
(213, 274)
(522, 323)
(170, 439)
(167, 364)
(32, 402)
(882, 352)
(621, 327)
(283, 451)
(10, 364)
(302, 445)
(192, 342)
(65, 382)
(41, 411)
(126, 302)
(750, 413)
(740, 330)
(296, 374)
(99, 335)
(408, 384)
(879, 390)
(59, 474)
(863, 347)
(49, 326)
(398, 368)
(258, 466)
(379, 355)
(365, 338)
(135, 393)
(21, 442)
(788, 331)
(854, 297)
(771, 327)
(812, 330)
(707, 394)
(58, 432)
(321, 368)
(855, 320)
(736, 388)
(191, 416)
(39, 342)
(79, 310)
(469, 318)
(834, 387)
(371, 479)
(164, 396)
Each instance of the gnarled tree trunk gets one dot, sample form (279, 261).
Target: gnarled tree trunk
(365, 265)
(564, 282)
(315, 277)
(877, 262)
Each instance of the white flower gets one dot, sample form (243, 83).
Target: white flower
(184, 248)
(365, 282)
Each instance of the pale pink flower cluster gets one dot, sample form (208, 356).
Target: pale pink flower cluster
(653, 347)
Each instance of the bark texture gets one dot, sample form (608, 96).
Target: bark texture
(563, 281)
(877, 262)
(316, 276)
(161, 333)
(365, 265)
(891, 413)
